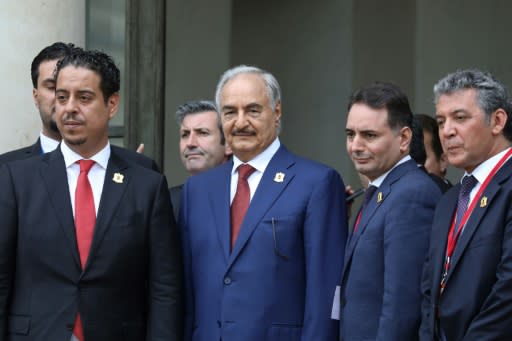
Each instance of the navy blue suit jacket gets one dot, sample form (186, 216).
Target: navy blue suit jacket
(476, 304)
(279, 281)
(380, 287)
(129, 287)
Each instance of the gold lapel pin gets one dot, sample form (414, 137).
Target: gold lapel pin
(379, 197)
(279, 177)
(118, 178)
(483, 202)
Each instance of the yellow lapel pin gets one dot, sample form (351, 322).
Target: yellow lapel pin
(118, 178)
(379, 197)
(279, 177)
(483, 202)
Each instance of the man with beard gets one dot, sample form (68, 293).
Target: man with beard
(42, 73)
(202, 143)
(43, 93)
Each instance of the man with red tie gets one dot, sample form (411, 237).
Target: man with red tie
(467, 284)
(88, 246)
(380, 294)
(263, 233)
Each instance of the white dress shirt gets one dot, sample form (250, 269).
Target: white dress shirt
(260, 163)
(96, 174)
(47, 144)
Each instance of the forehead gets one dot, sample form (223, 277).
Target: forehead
(244, 88)
(46, 69)
(465, 99)
(364, 117)
(204, 119)
(70, 77)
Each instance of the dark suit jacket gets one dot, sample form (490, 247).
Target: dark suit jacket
(175, 193)
(129, 287)
(477, 301)
(278, 283)
(35, 149)
(22, 153)
(380, 286)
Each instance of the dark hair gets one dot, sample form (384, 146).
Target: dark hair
(429, 124)
(199, 106)
(491, 94)
(389, 96)
(417, 146)
(55, 51)
(96, 61)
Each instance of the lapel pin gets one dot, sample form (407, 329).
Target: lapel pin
(279, 177)
(118, 178)
(483, 202)
(379, 197)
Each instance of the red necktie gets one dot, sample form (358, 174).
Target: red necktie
(85, 219)
(367, 196)
(240, 202)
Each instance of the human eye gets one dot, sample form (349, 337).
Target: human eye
(228, 115)
(60, 97)
(350, 134)
(184, 134)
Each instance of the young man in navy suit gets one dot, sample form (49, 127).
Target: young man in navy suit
(264, 234)
(380, 285)
(87, 253)
(467, 283)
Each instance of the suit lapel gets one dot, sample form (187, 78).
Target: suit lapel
(219, 196)
(478, 213)
(445, 214)
(110, 198)
(375, 202)
(54, 176)
(266, 194)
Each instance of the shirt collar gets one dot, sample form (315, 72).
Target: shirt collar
(71, 157)
(261, 161)
(47, 144)
(377, 182)
(482, 170)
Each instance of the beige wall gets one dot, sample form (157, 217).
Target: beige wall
(25, 28)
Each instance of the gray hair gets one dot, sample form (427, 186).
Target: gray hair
(273, 89)
(195, 107)
(491, 94)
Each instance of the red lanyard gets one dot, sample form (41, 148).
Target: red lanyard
(453, 236)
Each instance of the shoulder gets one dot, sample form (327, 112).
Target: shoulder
(134, 157)
(18, 154)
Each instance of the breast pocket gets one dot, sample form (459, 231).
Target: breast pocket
(284, 234)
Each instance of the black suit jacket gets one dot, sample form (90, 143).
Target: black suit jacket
(130, 286)
(35, 150)
(175, 193)
(22, 153)
(476, 303)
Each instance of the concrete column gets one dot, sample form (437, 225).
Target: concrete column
(26, 27)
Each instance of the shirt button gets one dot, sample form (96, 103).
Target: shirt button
(227, 281)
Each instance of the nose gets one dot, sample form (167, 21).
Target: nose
(192, 140)
(447, 129)
(240, 120)
(355, 144)
(71, 105)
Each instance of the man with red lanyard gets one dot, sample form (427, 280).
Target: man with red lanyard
(467, 280)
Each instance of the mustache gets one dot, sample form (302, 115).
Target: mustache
(193, 151)
(244, 131)
(72, 118)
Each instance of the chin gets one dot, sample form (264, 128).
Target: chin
(75, 141)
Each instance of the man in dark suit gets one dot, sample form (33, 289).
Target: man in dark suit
(468, 273)
(43, 93)
(380, 286)
(264, 233)
(42, 74)
(202, 143)
(88, 246)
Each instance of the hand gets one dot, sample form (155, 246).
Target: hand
(140, 149)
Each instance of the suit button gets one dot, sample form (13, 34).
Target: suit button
(69, 326)
(227, 281)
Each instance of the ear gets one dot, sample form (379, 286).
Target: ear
(34, 97)
(443, 163)
(227, 150)
(498, 120)
(405, 139)
(277, 113)
(113, 105)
